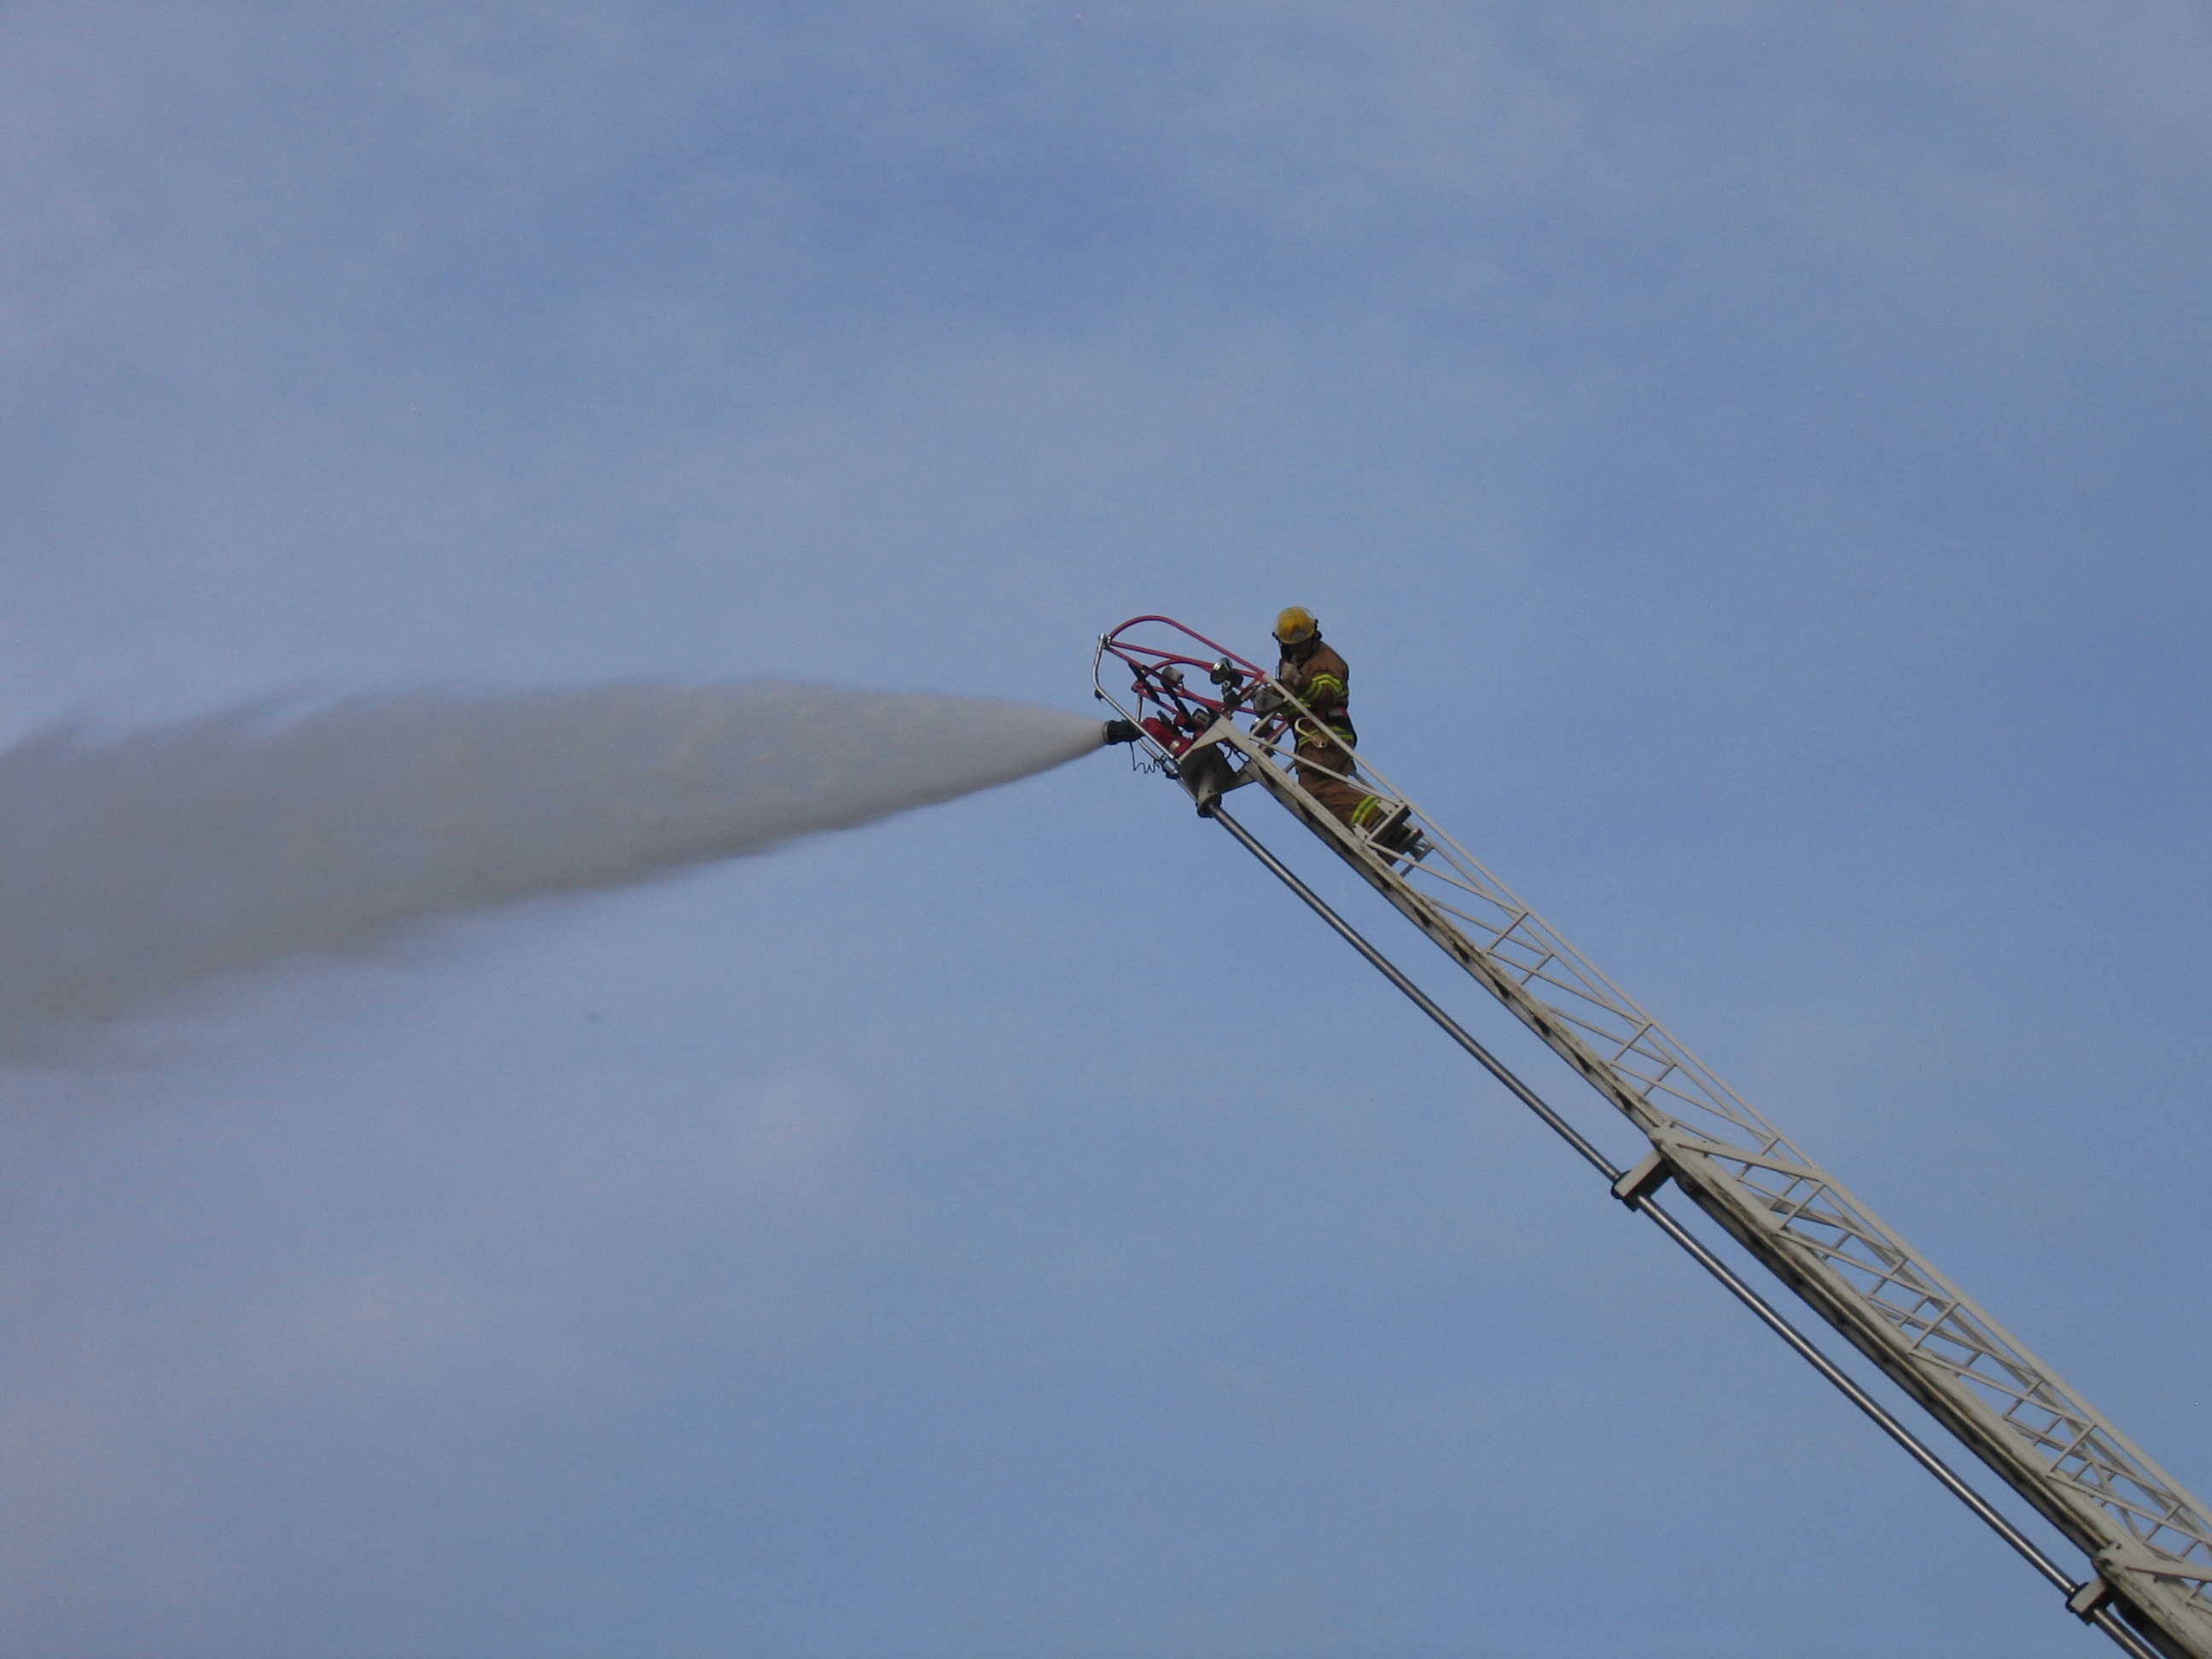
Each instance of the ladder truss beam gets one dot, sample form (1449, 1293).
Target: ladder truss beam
(2149, 1540)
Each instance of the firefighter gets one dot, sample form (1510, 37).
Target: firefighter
(1314, 674)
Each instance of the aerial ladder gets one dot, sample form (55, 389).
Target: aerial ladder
(2149, 1580)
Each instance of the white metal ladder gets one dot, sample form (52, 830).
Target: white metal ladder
(2147, 1538)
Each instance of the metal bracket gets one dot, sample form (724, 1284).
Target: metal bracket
(1206, 772)
(1647, 1176)
(2089, 1598)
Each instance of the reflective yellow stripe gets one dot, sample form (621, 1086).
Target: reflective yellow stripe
(1320, 680)
(1367, 805)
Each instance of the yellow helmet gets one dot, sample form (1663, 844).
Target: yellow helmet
(1296, 626)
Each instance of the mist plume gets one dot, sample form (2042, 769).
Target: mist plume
(135, 868)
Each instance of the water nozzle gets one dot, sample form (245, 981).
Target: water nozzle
(1122, 731)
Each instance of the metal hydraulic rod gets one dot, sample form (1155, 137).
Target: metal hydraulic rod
(1639, 1197)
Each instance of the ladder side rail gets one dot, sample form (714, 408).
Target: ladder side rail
(2090, 1601)
(1583, 982)
(1855, 1232)
(2088, 1503)
(1852, 1233)
(2083, 1505)
(1873, 1232)
(1890, 1254)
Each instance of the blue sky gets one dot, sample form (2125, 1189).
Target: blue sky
(1752, 457)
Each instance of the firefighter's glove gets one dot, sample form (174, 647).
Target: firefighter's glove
(1267, 700)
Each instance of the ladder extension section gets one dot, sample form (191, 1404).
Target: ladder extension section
(2147, 1537)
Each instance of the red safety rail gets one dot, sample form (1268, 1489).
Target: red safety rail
(1170, 710)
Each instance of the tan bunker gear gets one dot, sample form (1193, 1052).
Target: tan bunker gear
(1318, 678)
